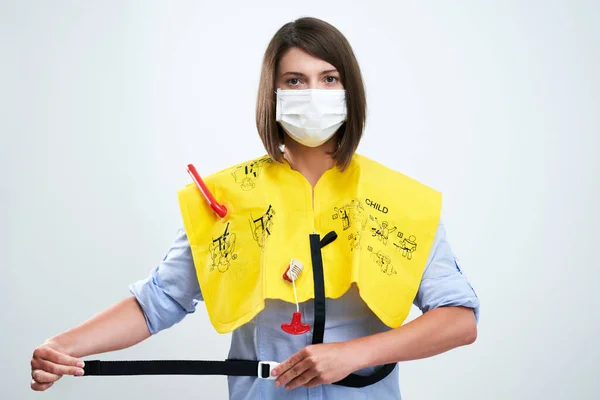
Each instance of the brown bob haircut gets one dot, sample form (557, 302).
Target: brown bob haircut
(322, 40)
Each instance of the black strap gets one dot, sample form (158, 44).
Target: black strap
(319, 283)
(176, 367)
(330, 237)
(352, 380)
(242, 367)
(358, 381)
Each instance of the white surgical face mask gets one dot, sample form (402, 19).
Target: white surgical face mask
(311, 116)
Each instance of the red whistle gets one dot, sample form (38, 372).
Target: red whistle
(219, 209)
(296, 327)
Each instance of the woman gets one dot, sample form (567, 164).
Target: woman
(386, 241)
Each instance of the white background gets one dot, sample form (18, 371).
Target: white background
(102, 105)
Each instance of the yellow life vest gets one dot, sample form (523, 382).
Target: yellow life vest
(385, 222)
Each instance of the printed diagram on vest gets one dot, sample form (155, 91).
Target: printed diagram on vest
(352, 216)
(383, 261)
(382, 230)
(261, 227)
(407, 245)
(222, 251)
(247, 174)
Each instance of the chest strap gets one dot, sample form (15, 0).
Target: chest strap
(259, 369)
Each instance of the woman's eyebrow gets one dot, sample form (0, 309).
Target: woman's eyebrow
(300, 74)
(329, 71)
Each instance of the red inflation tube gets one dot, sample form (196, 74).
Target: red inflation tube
(219, 209)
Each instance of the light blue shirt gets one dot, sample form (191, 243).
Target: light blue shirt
(172, 291)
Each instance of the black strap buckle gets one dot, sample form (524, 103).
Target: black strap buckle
(265, 368)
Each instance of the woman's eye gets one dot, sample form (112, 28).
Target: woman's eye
(331, 79)
(293, 81)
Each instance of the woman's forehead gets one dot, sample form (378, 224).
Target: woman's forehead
(297, 60)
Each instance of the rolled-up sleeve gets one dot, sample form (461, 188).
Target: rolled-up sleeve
(443, 282)
(172, 290)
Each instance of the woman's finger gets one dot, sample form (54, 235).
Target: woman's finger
(304, 378)
(44, 377)
(293, 372)
(48, 353)
(316, 381)
(58, 369)
(40, 387)
(290, 362)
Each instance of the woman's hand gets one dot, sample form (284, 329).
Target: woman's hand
(49, 363)
(316, 365)
(118, 327)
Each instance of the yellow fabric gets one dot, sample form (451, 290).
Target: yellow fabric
(385, 221)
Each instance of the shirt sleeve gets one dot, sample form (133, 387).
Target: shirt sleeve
(443, 283)
(172, 290)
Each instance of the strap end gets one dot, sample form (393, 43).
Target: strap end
(91, 367)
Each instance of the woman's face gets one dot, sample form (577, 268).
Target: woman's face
(299, 70)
